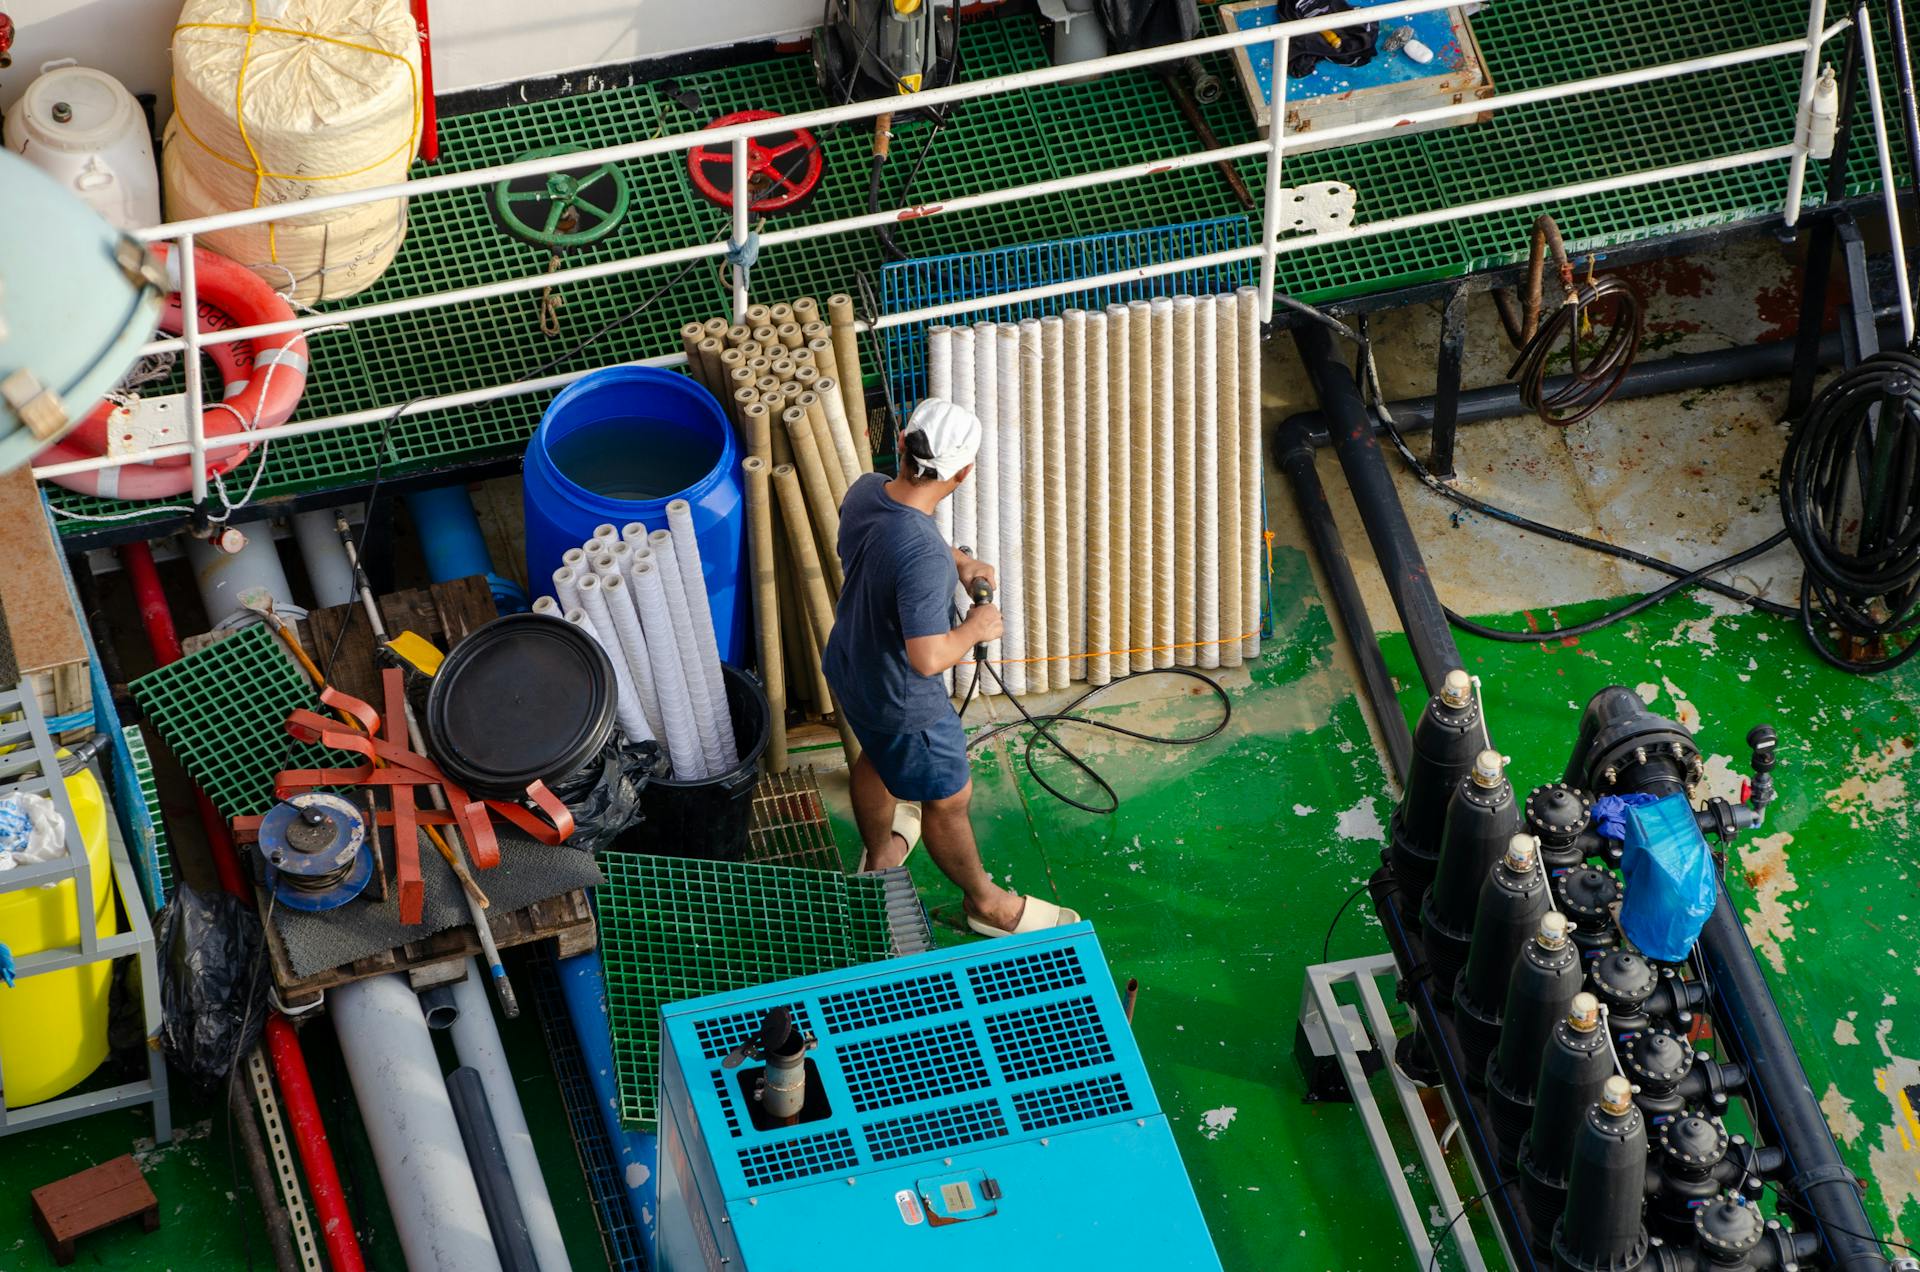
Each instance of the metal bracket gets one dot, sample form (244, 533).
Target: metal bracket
(1375, 1032)
(1312, 209)
(147, 422)
(276, 1135)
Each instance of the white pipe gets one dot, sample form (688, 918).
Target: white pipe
(1075, 461)
(548, 606)
(1186, 557)
(327, 569)
(958, 204)
(1889, 192)
(618, 595)
(1035, 551)
(605, 532)
(742, 208)
(1012, 565)
(634, 532)
(667, 561)
(633, 721)
(693, 578)
(940, 385)
(986, 401)
(1115, 279)
(410, 1124)
(1096, 595)
(234, 584)
(1166, 559)
(1053, 467)
(1276, 156)
(476, 1038)
(965, 500)
(1143, 545)
(566, 587)
(1207, 477)
(575, 558)
(1227, 364)
(1252, 472)
(678, 728)
(1119, 495)
(1803, 116)
(190, 355)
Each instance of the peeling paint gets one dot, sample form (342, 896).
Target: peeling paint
(1770, 922)
(1684, 713)
(1840, 1115)
(1876, 791)
(1845, 1034)
(1894, 1163)
(1722, 779)
(1214, 1122)
(1361, 822)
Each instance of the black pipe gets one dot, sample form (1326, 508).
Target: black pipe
(1294, 452)
(1748, 1021)
(1646, 379)
(488, 1158)
(439, 1006)
(266, 1188)
(1421, 615)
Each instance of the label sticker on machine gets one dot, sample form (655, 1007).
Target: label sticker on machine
(909, 1206)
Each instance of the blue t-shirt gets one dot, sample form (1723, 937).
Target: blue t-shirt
(900, 582)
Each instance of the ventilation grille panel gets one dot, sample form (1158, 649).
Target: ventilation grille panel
(914, 999)
(1038, 973)
(1050, 1038)
(781, 1160)
(1082, 1101)
(934, 1132)
(926, 1064)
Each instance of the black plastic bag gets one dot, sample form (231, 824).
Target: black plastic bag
(604, 797)
(213, 983)
(1356, 43)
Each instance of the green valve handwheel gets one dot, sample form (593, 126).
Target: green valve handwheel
(570, 208)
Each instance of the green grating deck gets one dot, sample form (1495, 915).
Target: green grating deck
(222, 711)
(1056, 131)
(150, 796)
(674, 928)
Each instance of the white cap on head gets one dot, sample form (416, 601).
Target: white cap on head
(952, 437)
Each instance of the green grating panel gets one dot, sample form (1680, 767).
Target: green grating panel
(222, 712)
(150, 796)
(1052, 132)
(674, 928)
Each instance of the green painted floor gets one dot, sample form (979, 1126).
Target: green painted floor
(1215, 882)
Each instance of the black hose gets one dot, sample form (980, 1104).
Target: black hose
(1850, 495)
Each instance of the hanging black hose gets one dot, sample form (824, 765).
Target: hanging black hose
(1850, 495)
(1594, 371)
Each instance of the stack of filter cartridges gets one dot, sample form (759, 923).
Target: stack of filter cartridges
(643, 598)
(792, 386)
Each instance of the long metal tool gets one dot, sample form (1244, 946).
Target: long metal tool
(502, 987)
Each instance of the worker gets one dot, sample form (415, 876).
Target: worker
(893, 639)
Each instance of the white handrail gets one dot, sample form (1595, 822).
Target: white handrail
(738, 136)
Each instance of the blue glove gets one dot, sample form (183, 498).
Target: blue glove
(1610, 813)
(6, 966)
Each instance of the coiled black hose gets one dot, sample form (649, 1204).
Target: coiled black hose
(1594, 373)
(1850, 495)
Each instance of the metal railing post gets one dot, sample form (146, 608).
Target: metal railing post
(1889, 191)
(1803, 119)
(1276, 153)
(190, 338)
(740, 272)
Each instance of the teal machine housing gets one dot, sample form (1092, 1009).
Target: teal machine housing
(983, 1106)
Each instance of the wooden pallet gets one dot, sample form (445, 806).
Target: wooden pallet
(441, 958)
(445, 614)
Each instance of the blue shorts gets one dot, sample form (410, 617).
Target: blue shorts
(925, 765)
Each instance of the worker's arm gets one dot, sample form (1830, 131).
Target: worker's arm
(931, 655)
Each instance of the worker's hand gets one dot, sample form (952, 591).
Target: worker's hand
(971, 569)
(983, 623)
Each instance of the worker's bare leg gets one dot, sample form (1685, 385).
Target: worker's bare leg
(873, 806)
(948, 832)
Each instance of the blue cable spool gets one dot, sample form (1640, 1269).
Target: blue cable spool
(312, 846)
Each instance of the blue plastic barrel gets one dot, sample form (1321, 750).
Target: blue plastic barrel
(455, 548)
(619, 445)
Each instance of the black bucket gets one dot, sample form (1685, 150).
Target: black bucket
(709, 818)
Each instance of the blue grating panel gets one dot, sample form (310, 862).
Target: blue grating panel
(782, 1160)
(1050, 1038)
(937, 280)
(906, 1068)
(913, 999)
(719, 1036)
(1039, 973)
(935, 1132)
(1081, 1101)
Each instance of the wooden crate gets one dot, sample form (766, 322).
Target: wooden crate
(43, 629)
(1389, 86)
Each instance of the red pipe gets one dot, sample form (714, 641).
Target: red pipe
(429, 117)
(283, 1045)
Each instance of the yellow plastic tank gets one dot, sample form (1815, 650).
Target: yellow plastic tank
(53, 1027)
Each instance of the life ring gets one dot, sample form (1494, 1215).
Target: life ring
(262, 383)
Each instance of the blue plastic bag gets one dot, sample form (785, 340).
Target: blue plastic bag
(1669, 876)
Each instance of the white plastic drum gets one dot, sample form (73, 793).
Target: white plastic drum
(81, 126)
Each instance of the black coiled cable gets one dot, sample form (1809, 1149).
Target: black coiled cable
(1850, 495)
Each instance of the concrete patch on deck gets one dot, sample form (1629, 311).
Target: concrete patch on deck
(1841, 1118)
(1876, 790)
(1769, 922)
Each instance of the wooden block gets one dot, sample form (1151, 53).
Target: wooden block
(90, 1201)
